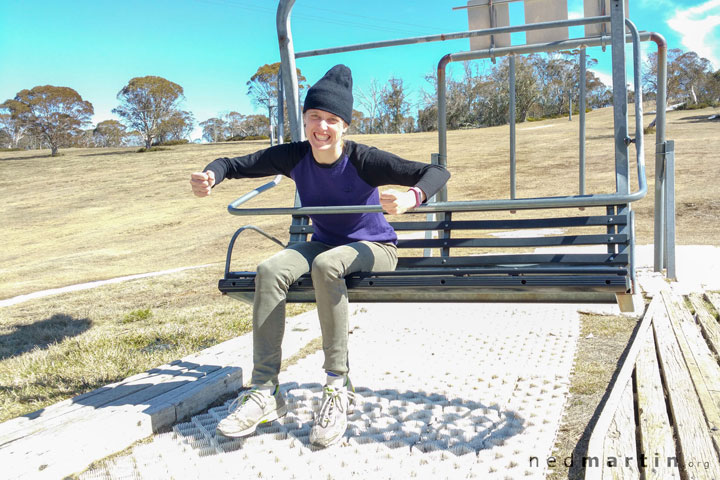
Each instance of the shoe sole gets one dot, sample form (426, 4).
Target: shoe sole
(270, 417)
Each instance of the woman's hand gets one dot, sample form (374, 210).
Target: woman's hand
(202, 183)
(395, 202)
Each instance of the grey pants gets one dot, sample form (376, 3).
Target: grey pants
(328, 266)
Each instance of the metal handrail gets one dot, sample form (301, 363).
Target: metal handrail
(490, 205)
(254, 193)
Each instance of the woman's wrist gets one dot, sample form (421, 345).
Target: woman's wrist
(418, 195)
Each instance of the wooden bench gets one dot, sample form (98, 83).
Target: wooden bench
(662, 417)
(461, 269)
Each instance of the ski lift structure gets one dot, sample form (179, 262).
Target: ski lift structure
(438, 267)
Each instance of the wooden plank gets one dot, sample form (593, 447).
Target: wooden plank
(602, 426)
(66, 406)
(695, 445)
(655, 432)
(139, 388)
(714, 299)
(72, 446)
(701, 364)
(708, 323)
(139, 391)
(181, 403)
(619, 454)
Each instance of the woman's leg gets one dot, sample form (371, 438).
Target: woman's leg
(328, 272)
(274, 277)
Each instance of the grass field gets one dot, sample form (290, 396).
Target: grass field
(93, 214)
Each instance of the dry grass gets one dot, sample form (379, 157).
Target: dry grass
(94, 214)
(57, 347)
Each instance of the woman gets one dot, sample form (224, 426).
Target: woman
(327, 171)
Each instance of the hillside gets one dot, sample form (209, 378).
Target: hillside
(94, 214)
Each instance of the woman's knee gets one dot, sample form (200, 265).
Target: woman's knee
(269, 271)
(326, 266)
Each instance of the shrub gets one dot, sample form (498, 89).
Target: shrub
(240, 138)
(151, 149)
(168, 143)
(137, 315)
(697, 106)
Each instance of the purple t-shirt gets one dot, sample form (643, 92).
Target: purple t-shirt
(352, 180)
(339, 184)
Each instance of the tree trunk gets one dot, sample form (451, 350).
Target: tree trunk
(53, 150)
(148, 143)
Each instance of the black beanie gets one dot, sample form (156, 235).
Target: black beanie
(332, 93)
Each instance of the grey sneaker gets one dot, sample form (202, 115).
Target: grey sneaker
(249, 410)
(331, 421)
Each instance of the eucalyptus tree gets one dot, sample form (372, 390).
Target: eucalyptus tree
(109, 133)
(52, 114)
(147, 102)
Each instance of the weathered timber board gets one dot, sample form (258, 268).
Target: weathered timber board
(695, 445)
(596, 445)
(619, 453)
(714, 299)
(708, 322)
(655, 432)
(48, 416)
(701, 363)
(72, 446)
(138, 392)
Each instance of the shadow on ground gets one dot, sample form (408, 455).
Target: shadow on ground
(42, 334)
(425, 422)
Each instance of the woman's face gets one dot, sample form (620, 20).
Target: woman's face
(323, 130)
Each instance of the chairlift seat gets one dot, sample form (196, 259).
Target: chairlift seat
(454, 276)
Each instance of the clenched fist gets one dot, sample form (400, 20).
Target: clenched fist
(202, 183)
(395, 202)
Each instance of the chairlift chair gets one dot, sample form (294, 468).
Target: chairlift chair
(449, 269)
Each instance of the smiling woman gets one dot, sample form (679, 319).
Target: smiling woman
(328, 171)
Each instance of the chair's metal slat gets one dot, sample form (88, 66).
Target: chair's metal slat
(514, 242)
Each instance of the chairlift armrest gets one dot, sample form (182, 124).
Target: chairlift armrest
(252, 194)
(235, 236)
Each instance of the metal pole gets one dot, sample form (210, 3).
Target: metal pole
(670, 210)
(453, 36)
(442, 114)
(289, 71)
(583, 81)
(281, 109)
(512, 127)
(660, 108)
(291, 90)
(617, 27)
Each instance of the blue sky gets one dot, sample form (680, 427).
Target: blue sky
(212, 47)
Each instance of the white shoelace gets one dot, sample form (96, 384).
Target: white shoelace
(331, 400)
(255, 395)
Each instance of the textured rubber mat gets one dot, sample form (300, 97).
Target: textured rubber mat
(442, 391)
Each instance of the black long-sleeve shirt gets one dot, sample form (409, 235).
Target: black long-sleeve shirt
(352, 180)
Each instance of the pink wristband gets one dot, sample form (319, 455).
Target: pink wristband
(418, 196)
